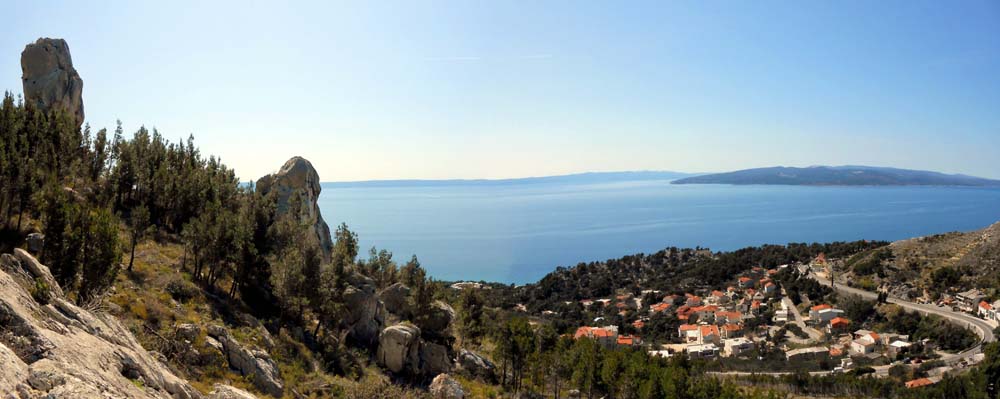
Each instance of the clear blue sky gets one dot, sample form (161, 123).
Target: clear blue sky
(477, 89)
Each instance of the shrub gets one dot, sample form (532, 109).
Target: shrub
(41, 292)
(182, 290)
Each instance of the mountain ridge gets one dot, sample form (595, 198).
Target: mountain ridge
(846, 175)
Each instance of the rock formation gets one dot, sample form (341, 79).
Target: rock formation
(296, 189)
(366, 313)
(475, 365)
(445, 387)
(255, 364)
(63, 351)
(399, 349)
(220, 391)
(49, 79)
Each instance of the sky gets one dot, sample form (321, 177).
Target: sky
(472, 89)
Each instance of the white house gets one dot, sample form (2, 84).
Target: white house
(702, 351)
(736, 346)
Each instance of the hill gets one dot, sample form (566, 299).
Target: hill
(933, 265)
(839, 176)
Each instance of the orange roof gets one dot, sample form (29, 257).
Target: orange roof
(688, 327)
(874, 335)
(660, 307)
(581, 332)
(732, 327)
(638, 324)
(728, 315)
(709, 330)
(818, 308)
(919, 382)
(755, 304)
(694, 298)
(985, 305)
(744, 279)
(625, 340)
(839, 322)
(834, 351)
(751, 291)
(717, 293)
(600, 333)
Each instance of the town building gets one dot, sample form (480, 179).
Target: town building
(736, 346)
(811, 353)
(702, 351)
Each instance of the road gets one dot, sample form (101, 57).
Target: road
(980, 326)
(814, 335)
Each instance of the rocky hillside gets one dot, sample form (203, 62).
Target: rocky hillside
(932, 265)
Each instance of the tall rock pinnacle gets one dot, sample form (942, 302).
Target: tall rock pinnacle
(296, 188)
(49, 79)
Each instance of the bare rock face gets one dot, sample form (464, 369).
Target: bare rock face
(256, 364)
(394, 297)
(296, 189)
(438, 319)
(49, 79)
(445, 387)
(434, 358)
(399, 349)
(366, 313)
(63, 351)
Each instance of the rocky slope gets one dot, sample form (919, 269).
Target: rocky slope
(57, 349)
(49, 79)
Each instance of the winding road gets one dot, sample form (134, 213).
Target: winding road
(980, 326)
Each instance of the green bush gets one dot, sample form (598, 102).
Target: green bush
(182, 290)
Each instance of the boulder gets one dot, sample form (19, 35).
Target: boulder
(395, 298)
(49, 79)
(445, 387)
(475, 365)
(399, 349)
(221, 391)
(434, 359)
(366, 313)
(439, 318)
(187, 331)
(35, 241)
(38, 271)
(63, 351)
(252, 363)
(295, 189)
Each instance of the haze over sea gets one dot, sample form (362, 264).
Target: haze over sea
(518, 232)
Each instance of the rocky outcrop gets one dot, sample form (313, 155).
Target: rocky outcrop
(63, 351)
(255, 364)
(445, 387)
(394, 297)
(35, 241)
(366, 313)
(475, 365)
(399, 349)
(38, 270)
(438, 319)
(295, 188)
(434, 358)
(220, 391)
(49, 79)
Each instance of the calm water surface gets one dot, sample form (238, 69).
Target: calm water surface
(518, 233)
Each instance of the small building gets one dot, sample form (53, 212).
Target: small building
(709, 333)
(629, 340)
(897, 347)
(745, 282)
(736, 346)
(865, 345)
(731, 331)
(814, 311)
(606, 336)
(702, 351)
(839, 325)
(824, 316)
(811, 353)
(919, 382)
(689, 333)
(770, 288)
(968, 300)
(660, 307)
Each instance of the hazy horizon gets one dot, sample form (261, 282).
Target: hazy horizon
(450, 90)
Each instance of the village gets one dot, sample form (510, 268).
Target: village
(754, 315)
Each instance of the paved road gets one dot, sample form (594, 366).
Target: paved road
(814, 335)
(980, 326)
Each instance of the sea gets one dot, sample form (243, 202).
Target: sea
(516, 233)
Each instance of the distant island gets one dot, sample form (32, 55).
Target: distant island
(839, 176)
(577, 178)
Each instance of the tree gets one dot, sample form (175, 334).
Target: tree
(101, 254)
(471, 317)
(138, 228)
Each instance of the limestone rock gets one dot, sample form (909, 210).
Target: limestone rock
(60, 350)
(49, 79)
(434, 358)
(399, 349)
(445, 387)
(256, 364)
(35, 241)
(394, 298)
(38, 271)
(365, 312)
(220, 391)
(296, 189)
(187, 331)
(475, 365)
(439, 318)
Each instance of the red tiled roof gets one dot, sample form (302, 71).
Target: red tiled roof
(985, 305)
(919, 382)
(744, 279)
(638, 324)
(818, 308)
(660, 307)
(732, 327)
(709, 330)
(754, 304)
(834, 351)
(839, 322)
(688, 327)
(625, 340)
(874, 335)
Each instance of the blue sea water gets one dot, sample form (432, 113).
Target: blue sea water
(517, 233)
